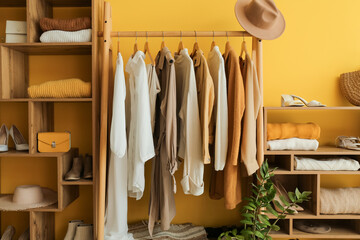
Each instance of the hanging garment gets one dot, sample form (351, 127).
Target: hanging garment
(190, 130)
(220, 113)
(206, 97)
(227, 183)
(141, 146)
(253, 101)
(162, 202)
(116, 212)
(154, 89)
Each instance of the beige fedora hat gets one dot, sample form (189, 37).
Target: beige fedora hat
(261, 18)
(27, 197)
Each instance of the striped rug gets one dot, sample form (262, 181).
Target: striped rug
(185, 231)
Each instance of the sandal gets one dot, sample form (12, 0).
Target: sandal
(312, 103)
(289, 101)
(352, 143)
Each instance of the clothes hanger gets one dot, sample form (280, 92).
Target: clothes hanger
(213, 44)
(181, 45)
(227, 45)
(118, 43)
(147, 50)
(196, 45)
(163, 41)
(243, 47)
(135, 45)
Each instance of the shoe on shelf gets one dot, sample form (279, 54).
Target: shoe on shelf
(4, 138)
(88, 170)
(70, 234)
(352, 143)
(9, 233)
(312, 226)
(289, 101)
(25, 235)
(19, 140)
(312, 103)
(77, 168)
(281, 191)
(84, 232)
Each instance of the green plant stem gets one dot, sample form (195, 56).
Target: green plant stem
(278, 218)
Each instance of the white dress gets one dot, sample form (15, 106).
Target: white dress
(116, 212)
(190, 146)
(217, 72)
(141, 146)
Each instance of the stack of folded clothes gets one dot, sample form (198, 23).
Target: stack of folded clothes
(66, 30)
(293, 136)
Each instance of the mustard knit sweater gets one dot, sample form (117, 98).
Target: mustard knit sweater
(66, 88)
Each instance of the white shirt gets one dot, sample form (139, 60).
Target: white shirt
(190, 146)
(116, 212)
(154, 89)
(217, 71)
(141, 146)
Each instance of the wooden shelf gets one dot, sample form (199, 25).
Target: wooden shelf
(51, 48)
(47, 100)
(336, 232)
(14, 153)
(313, 108)
(80, 182)
(322, 150)
(70, 3)
(12, 3)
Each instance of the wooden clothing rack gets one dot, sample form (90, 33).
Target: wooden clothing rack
(107, 34)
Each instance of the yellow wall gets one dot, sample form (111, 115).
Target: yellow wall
(321, 41)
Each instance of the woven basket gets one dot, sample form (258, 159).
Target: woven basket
(350, 87)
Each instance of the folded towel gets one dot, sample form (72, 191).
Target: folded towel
(292, 130)
(74, 24)
(293, 144)
(61, 89)
(326, 164)
(64, 36)
(339, 200)
(185, 231)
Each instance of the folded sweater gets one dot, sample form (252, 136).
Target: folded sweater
(74, 24)
(65, 36)
(339, 200)
(292, 130)
(61, 89)
(293, 144)
(326, 164)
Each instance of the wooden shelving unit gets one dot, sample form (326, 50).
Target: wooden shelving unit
(14, 81)
(344, 226)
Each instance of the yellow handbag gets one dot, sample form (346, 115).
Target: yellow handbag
(54, 141)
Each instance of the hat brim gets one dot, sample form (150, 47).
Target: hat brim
(6, 203)
(271, 33)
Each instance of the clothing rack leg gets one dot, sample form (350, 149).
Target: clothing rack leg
(104, 120)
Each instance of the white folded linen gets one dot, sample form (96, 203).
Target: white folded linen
(340, 200)
(326, 164)
(66, 36)
(293, 144)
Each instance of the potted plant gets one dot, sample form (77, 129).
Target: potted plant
(255, 223)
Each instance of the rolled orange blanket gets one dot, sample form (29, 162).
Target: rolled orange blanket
(74, 24)
(293, 130)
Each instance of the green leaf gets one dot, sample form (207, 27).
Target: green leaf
(251, 204)
(272, 211)
(283, 200)
(275, 227)
(290, 211)
(292, 196)
(279, 205)
(247, 222)
(264, 220)
(249, 208)
(297, 193)
(248, 215)
(234, 232)
(247, 232)
(259, 235)
(305, 194)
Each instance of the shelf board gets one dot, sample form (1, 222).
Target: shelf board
(83, 48)
(70, 3)
(47, 100)
(12, 3)
(336, 232)
(14, 153)
(322, 150)
(313, 108)
(80, 182)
